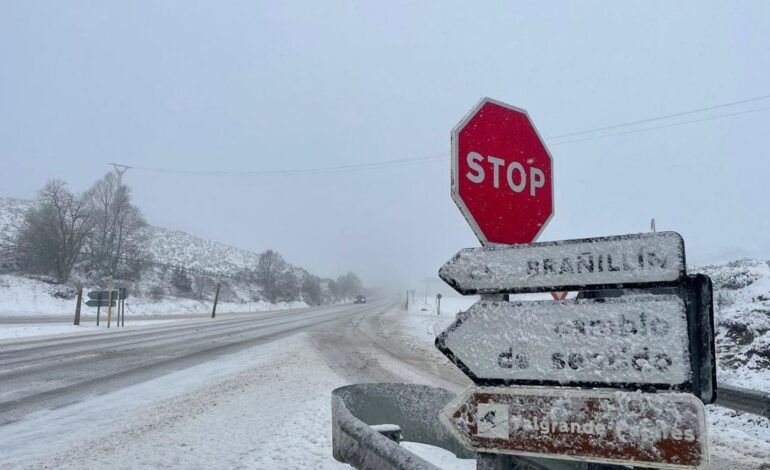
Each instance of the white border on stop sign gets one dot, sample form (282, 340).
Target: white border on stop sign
(455, 169)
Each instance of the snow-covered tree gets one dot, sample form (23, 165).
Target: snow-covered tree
(54, 231)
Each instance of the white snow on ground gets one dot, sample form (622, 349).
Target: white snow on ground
(23, 296)
(423, 320)
(439, 457)
(23, 330)
(265, 407)
(741, 438)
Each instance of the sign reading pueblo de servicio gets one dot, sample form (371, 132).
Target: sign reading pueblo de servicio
(640, 340)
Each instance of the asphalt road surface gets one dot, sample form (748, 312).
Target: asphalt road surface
(47, 373)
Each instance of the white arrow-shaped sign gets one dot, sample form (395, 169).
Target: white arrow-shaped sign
(640, 260)
(641, 340)
(660, 430)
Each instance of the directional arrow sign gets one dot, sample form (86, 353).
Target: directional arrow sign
(642, 260)
(625, 342)
(661, 430)
(103, 294)
(100, 303)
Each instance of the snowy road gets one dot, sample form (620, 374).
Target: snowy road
(241, 391)
(50, 373)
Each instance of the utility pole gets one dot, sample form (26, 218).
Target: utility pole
(120, 170)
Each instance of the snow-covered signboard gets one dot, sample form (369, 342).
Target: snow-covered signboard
(627, 261)
(663, 430)
(632, 340)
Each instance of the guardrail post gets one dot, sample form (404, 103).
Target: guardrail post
(493, 462)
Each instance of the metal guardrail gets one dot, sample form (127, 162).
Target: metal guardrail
(743, 399)
(415, 408)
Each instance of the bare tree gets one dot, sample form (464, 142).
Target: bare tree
(270, 268)
(288, 286)
(54, 231)
(117, 233)
(311, 290)
(349, 285)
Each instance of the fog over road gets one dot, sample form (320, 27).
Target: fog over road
(39, 373)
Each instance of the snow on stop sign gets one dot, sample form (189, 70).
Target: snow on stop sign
(501, 174)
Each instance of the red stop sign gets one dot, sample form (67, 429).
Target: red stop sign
(501, 174)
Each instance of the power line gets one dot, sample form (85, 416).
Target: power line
(443, 156)
(658, 118)
(299, 171)
(673, 124)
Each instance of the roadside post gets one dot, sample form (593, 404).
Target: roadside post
(619, 377)
(438, 304)
(109, 302)
(123, 294)
(77, 306)
(216, 299)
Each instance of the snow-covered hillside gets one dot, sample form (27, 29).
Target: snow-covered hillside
(181, 249)
(742, 311)
(11, 216)
(205, 264)
(164, 246)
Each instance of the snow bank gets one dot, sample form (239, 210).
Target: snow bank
(23, 296)
(11, 331)
(742, 320)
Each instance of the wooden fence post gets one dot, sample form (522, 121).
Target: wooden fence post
(77, 307)
(216, 299)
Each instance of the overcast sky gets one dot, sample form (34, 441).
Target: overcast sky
(255, 86)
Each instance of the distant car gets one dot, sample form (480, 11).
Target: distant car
(360, 299)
